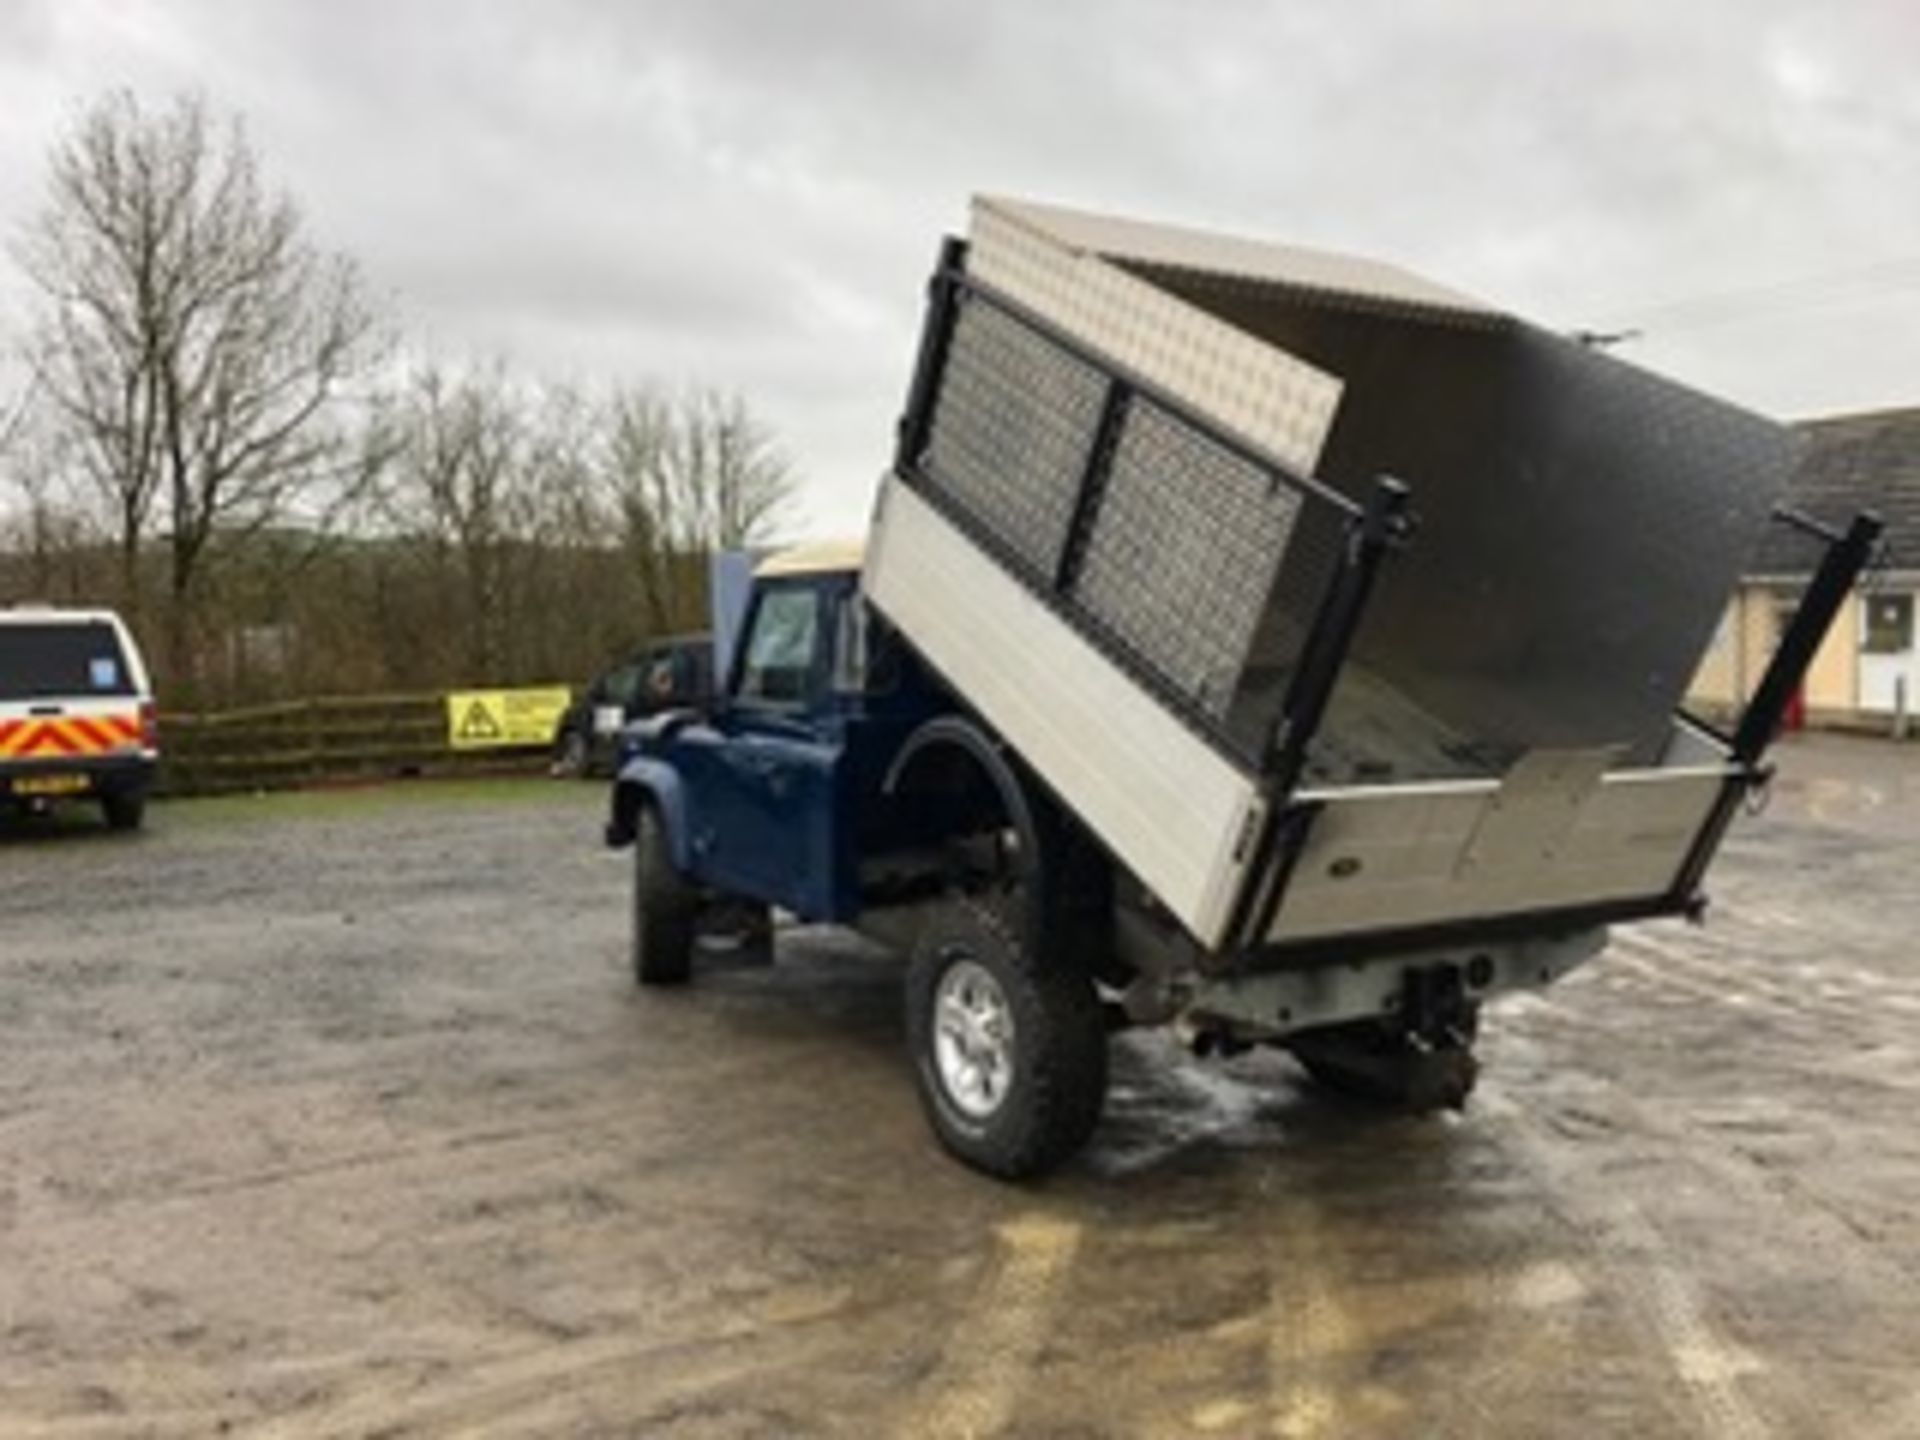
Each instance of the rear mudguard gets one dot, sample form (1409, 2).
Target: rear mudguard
(1067, 884)
(958, 733)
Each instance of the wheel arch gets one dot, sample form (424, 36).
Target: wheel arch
(1067, 878)
(642, 783)
(953, 748)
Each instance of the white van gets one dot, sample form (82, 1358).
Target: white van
(77, 717)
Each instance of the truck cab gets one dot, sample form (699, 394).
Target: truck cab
(774, 790)
(835, 776)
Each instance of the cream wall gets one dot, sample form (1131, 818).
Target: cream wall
(1717, 681)
(1744, 643)
(1833, 681)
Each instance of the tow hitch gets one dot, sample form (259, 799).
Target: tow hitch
(1419, 1058)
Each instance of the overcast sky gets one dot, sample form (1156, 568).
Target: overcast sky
(751, 194)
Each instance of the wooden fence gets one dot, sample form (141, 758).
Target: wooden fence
(307, 742)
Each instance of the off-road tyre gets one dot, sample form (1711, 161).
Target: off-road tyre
(666, 908)
(124, 812)
(1057, 1076)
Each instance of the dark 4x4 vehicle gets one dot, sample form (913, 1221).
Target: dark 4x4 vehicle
(666, 673)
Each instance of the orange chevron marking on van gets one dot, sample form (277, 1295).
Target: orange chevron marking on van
(69, 736)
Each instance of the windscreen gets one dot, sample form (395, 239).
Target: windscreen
(61, 661)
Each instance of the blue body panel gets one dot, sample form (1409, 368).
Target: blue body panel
(779, 801)
(729, 591)
(660, 782)
(765, 810)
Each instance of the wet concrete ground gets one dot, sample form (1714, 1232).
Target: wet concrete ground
(337, 1116)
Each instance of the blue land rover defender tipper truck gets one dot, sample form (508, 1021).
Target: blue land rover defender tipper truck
(1258, 639)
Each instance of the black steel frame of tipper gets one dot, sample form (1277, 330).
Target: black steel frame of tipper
(936, 337)
(1373, 529)
(1386, 521)
(1848, 553)
(951, 288)
(951, 285)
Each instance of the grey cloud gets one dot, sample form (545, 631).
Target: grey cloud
(750, 193)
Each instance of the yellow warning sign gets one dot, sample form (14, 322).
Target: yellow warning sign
(497, 719)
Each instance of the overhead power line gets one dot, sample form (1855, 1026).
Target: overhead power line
(1746, 304)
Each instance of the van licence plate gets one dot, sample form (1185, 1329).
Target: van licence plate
(50, 785)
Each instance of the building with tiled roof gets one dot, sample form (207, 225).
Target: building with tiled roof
(1854, 462)
(1869, 669)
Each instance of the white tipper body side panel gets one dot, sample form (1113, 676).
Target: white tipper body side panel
(1269, 398)
(1167, 804)
(1409, 855)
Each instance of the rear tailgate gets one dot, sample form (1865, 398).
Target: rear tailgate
(68, 692)
(1561, 836)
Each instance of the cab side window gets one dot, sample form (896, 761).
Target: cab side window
(778, 663)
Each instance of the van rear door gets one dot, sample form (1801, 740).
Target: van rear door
(69, 689)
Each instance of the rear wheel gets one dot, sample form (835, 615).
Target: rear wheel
(666, 908)
(124, 811)
(1009, 1052)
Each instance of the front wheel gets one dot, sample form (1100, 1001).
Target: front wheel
(666, 908)
(1009, 1053)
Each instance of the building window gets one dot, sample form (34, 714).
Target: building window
(1889, 628)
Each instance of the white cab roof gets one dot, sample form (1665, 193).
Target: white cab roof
(816, 557)
(31, 614)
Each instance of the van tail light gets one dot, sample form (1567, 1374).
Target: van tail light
(149, 725)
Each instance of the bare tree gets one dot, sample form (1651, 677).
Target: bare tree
(49, 530)
(455, 486)
(13, 420)
(688, 478)
(639, 434)
(735, 485)
(194, 343)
